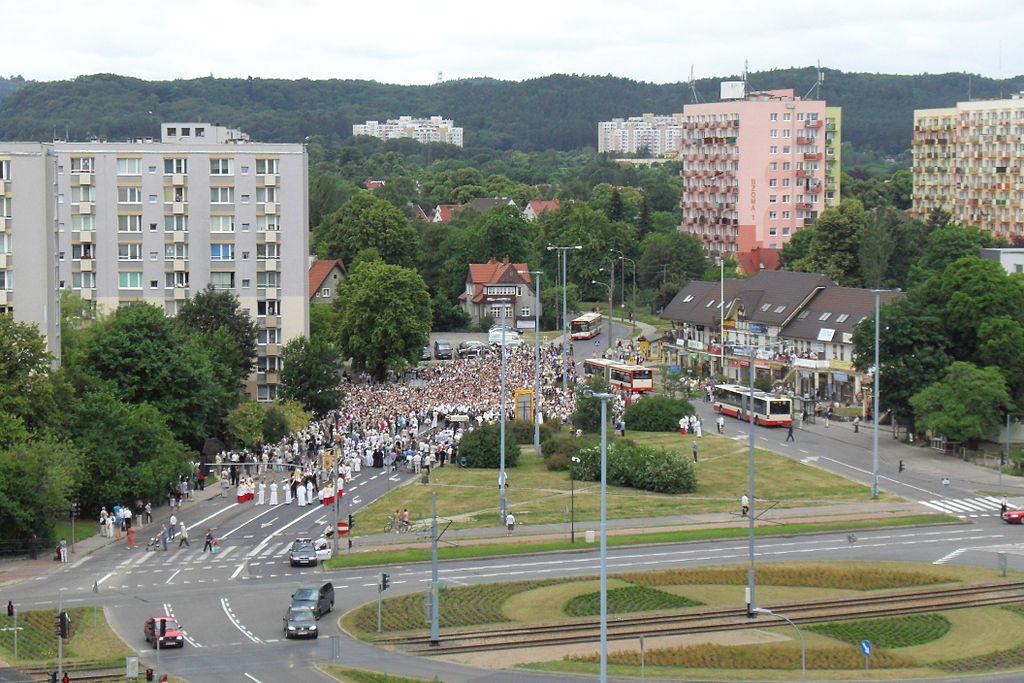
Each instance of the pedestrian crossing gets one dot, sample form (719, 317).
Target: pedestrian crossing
(983, 506)
(177, 557)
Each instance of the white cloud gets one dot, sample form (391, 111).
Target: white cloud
(409, 42)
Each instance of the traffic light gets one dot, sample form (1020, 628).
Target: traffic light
(902, 466)
(75, 510)
(163, 628)
(385, 581)
(351, 523)
(61, 624)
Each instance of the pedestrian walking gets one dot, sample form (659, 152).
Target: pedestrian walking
(131, 538)
(720, 423)
(103, 521)
(510, 523)
(744, 505)
(683, 424)
(183, 537)
(828, 416)
(856, 424)
(694, 452)
(163, 536)
(789, 433)
(208, 545)
(224, 486)
(172, 525)
(149, 512)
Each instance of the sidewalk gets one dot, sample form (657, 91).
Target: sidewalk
(649, 525)
(16, 570)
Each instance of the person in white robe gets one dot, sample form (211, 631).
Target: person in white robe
(310, 493)
(699, 427)
(273, 493)
(261, 492)
(287, 493)
(301, 495)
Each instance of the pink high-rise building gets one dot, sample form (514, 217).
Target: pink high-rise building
(757, 169)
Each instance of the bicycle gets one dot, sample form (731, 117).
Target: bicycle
(389, 525)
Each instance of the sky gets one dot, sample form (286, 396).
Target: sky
(399, 41)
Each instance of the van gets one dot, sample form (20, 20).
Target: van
(318, 598)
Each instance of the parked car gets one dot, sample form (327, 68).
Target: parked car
(165, 630)
(320, 599)
(302, 553)
(511, 336)
(300, 622)
(426, 355)
(471, 348)
(443, 350)
(1014, 516)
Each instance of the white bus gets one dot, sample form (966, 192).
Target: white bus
(586, 326)
(621, 376)
(769, 409)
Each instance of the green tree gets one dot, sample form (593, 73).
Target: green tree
(1001, 343)
(501, 233)
(945, 245)
(210, 310)
(327, 192)
(644, 222)
(385, 317)
(26, 381)
(834, 249)
(876, 248)
(968, 292)
(794, 253)
(323, 324)
(965, 405)
(551, 303)
(245, 423)
(616, 209)
(37, 482)
(588, 409)
(75, 314)
(297, 416)
(367, 221)
(579, 224)
(311, 375)
(482, 447)
(275, 425)
(675, 256)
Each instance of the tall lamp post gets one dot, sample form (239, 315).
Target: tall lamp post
(1005, 455)
(632, 263)
(536, 365)
(572, 502)
(501, 473)
(604, 397)
(605, 284)
(564, 251)
(874, 403)
(803, 644)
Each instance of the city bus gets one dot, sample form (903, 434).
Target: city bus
(586, 326)
(620, 376)
(770, 410)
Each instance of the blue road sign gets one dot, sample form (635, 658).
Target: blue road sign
(865, 647)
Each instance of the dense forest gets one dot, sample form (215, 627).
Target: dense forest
(555, 112)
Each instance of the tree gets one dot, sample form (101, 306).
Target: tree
(500, 233)
(834, 249)
(245, 423)
(275, 425)
(37, 481)
(580, 224)
(323, 324)
(481, 447)
(945, 245)
(385, 317)
(794, 253)
(588, 409)
(877, 245)
(128, 452)
(965, 405)
(26, 381)
(446, 316)
(968, 292)
(145, 357)
(644, 222)
(210, 310)
(938, 218)
(616, 209)
(551, 303)
(1001, 343)
(295, 414)
(367, 221)
(311, 375)
(678, 256)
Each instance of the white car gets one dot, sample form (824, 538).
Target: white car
(512, 337)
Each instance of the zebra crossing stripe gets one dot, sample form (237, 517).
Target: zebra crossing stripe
(952, 556)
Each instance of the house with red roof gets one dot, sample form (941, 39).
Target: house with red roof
(444, 212)
(371, 184)
(497, 289)
(757, 259)
(535, 207)
(325, 278)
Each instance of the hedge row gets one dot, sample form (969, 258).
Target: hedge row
(638, 467)
(656, 414)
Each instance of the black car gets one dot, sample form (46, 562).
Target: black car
(320, 599)
(426, 353)
(443, 350)
(302, 553)
(471, 349)
(300, 622)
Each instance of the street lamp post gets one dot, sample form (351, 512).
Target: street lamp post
(874, 401)
(605, 284)
(564, 251)
(501, 473)
(536, 365)
(803, 644)
(632, 263)
(572, 502)
(604, 397)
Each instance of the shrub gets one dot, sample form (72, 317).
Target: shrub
(814, 576)
(561, 446)
(482, 447)
(625, 600)
(522, 431)
(550, 428)
(752, 657)
(888, 632)
(656, 414)
(558, 462)
(275, 425)
(588, 409)
(589, 466)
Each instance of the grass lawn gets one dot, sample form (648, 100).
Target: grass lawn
(389, 557)
(539, 496)
(84, 528)
(347, 675)
(37, 643)
(641, 313)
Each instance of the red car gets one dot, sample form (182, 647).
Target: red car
(1014, 516)
(165, 630)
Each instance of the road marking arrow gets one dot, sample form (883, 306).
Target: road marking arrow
(264, 525)
(812, 458)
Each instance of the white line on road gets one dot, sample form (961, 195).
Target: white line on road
(170, 612)
(204, 519)
(253, 519)
(253, 678)
(227, 551)
(238, 570)
(105, 577)
(895, 481)
(171, 577)
(231, 617)
(265, 541)
(952, 556)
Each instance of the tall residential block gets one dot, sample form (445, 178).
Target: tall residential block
(658, 135)
(757, 169)
(157, 221)
(969, 160)
(433, 129)
(28, 238)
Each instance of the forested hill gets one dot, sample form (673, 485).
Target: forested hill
(9, 85)
(554, 112)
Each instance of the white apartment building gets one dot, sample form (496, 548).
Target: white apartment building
(28, 239)
(433, 129)
(156, 221)
(659, 135)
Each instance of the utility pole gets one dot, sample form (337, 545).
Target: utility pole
(564, 253)
(337, 502)
(874, 410)
(501, 473)
(536, 366)
(611, 288)
(604, 397)
(435, 588)
(751, 603)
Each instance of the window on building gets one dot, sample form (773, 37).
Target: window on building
(824, 316)
(131, 280)
(245, 199)
(177, 279)
(200, 132)
(5, 169)
(222, 166)
(266, 167)
(525, 312)
(222, 223)
(81, 164)
(268, 251)
(688, 298)
(842, 317)
(785, 215)
(6, 280)
(785, 199)
(85, 280)
(129, 166)
(128, 195)
(773, 117)
(178, 251)
(765, 307)
(786, 149)
(267, 224)
(83, 223)
(176, 223)
(222, 252)
(780, 308)
(83, 193)
(773, 149)
(265, 308)
(773, 133)
(773, 198)
(266, 194)
(270, 335)
(268, 363)
(786, 133)
(172, 131)
(5, 244)
(222, 280)
(785, 182)
(773, 215)
(129, 223)
(773, 182)
(129, 252)
(83, 251)
(222, 195)
(176, 165)
(270, 280)
(774, 166)
(786, 165)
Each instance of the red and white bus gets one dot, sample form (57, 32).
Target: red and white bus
(770, 410)
(586, 326)
(621, 376)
